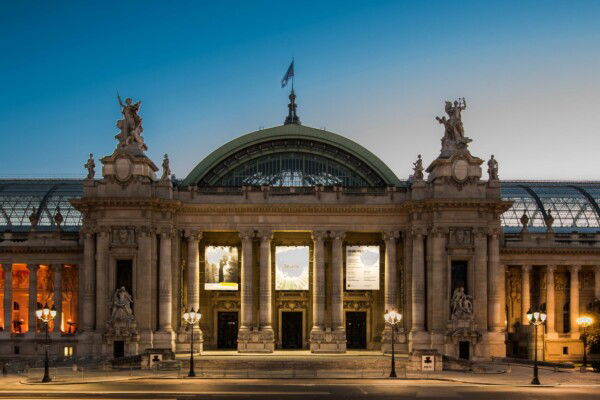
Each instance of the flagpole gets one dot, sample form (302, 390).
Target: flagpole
(293, 66)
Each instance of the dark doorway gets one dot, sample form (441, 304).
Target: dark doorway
(291, 330)
(118, 349)
(227, 330)
(356, 330)
(125, 275)
(464, 348)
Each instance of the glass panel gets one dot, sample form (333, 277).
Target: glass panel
(70, 285)
(20, 311)
(45, 293)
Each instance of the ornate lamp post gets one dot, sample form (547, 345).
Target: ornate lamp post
(536, 318)
(393, 319)
(584, 321)
(192, 318)
(45, 315)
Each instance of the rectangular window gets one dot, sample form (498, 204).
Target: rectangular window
(45, 292)
(125, 275)
(1, 300)
(68, 351)
(565, 350)
(70, 286)
(20, 300)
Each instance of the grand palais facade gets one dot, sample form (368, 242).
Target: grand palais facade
(297, 238)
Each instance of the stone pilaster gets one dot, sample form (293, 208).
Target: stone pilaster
(481, 276)
(193, 283)
(57, 269)
(165, 337)
(7, 270)
(246, 297)
(144, 294)
(574, 300)
(495, 338)
(597, 282)
(438, 304)
(266, 338)
(338, 328)
(102, 295)
(317, 333)
(550, 303)
(525, 293)
(390, 293)
(32, 319)
(88, 300)
(418, 338)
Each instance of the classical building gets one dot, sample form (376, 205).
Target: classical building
(295, 237)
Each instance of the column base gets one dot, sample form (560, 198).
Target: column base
(164, 340)
(255, 341)
(438, 341)
(400, 341)
(494, 344)
(328, 341)
(184, 340)
(146, 340)
(418, 340)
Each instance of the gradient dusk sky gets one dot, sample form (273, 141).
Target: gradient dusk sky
(377, 72)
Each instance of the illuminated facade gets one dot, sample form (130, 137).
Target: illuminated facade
(294, 237)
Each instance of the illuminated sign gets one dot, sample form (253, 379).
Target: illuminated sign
(291, 268)
(222, 268)
(362, 267)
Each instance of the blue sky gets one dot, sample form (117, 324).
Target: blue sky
(374, 71)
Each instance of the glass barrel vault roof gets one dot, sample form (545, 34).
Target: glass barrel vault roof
(574, 205)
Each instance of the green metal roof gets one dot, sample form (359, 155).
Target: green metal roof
(291, 131)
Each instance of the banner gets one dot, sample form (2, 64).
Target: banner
(362, 267)
(291, 268)
(222, 268)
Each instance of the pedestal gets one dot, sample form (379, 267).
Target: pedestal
(255, 341)
(327, 341)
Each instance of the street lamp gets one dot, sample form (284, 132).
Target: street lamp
(584, 321)
(45, 315)
(192, 318)
(536, 318)
(393, 319)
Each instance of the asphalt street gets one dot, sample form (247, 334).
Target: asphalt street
(184, 389)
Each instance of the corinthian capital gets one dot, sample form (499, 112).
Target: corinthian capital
(390, 235)
(318, 235)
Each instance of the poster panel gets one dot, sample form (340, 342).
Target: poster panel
(291, 267)
(222, 268)
(362, 267)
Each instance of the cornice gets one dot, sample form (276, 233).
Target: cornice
(86, 204)
(550, 250)
(40, 250)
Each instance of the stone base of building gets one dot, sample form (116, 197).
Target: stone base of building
(415, 360)
(184, 340)
(494, 344)
(256, 341)
(164, 340)
(400, 341)
(418, 340)
(327, 341)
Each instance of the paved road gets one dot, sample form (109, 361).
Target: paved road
(185, 389)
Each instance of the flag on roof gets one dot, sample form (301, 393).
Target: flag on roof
(289, 74)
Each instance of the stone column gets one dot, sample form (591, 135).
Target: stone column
(165, 286)
(418, 284)
(550, 301)
(88, 298)
(317, 337)
(102, 295)
(7, 269)
(597, 282)
(266, 284)
(496, 285)
(574, 300)
(33, 268)
(57, 268)
(525, 293)
(480, 277)
(193, 278)
(246, 294)
(337, 282)
(439, 306)
(391, 271)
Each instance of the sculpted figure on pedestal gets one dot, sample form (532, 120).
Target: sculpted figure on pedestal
(493, 169)
(90, 165)
(418, 169)
(461, 304)
(130, 125)
(121, 306)
(454, 133)
(166, 169)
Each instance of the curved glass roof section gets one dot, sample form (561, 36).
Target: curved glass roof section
(303, 154)
(292, 169)
(573, 205)
(18, 198)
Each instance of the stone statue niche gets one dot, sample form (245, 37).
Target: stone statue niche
(130, 137)
(454, 132)
(122, 325)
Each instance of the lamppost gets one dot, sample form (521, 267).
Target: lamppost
(192, 318)
(584, 321)
(45, 315)
(393, 318)
(536, 318)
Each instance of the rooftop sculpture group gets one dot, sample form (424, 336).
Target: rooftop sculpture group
(130, 125)
(454, 133)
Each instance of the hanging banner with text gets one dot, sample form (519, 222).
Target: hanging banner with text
(291, 268)
(222, 268)
(362, 267)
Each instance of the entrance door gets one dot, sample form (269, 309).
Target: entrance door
(356, 330)
(291, 330)
(227, 330)
(118, 349)
(464, 350)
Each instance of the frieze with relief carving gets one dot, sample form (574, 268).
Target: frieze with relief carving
(123, 236)
(460, 237)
